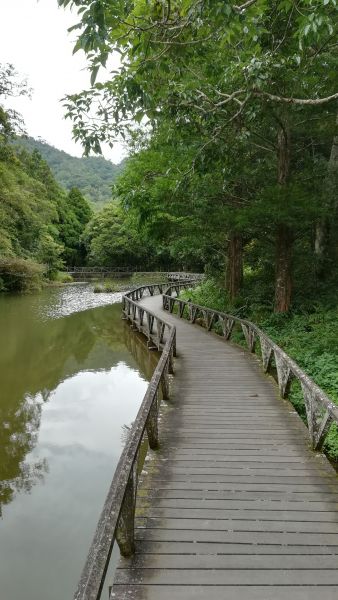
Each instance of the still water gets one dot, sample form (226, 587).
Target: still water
(71, 382)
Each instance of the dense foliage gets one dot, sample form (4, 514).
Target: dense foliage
(92, 175)
(237, 107)
(40, 224)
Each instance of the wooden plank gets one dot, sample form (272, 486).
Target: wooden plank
(201, 502)
(286, 484)
(226, 577)
(221, 526)
(157, 548)
(248, 476)
(266, 459)
(185, 592)
(239, 496)
(218, 514)
(232, 561)
(238, 537)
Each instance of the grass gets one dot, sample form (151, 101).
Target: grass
(144, 278)
(62, 277)
(122, 285)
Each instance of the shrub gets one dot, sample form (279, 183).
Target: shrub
(63, 277)
(20, 275)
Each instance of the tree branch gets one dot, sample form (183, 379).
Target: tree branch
(299, 101)
(244, 6)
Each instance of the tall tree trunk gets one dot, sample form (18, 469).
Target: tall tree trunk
(234, 274)
(283, 284)
(323, 231)
(284, 236)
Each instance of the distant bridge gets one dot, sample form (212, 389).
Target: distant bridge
(103, 272)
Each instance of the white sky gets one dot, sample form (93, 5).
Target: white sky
(34, 37)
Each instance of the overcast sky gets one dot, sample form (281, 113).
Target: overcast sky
(33, 36)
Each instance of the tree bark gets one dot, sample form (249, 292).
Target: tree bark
(284, 236)
(234, 274)
(323, 233)
(283, 284)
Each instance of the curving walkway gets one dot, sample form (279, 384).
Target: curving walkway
(234, 505)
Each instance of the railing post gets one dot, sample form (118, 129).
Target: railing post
(152, 424)
(283, 375)
(266, 351)
(165, 382)
(171, 362)
(125, 531)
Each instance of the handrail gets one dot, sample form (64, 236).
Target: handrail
(128, 269)
(321, 412)
(117, 517)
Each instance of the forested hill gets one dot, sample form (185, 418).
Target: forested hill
(92, 175)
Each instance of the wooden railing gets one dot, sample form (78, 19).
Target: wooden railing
(321, 412)
(117, 518)
(171, 275)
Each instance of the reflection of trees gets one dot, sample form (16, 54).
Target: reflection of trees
(146, 361)
(18, 436)
(137, 346)
(35, 357)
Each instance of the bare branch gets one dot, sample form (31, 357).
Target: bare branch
(187, 43)
(300, 101)
(244, 6)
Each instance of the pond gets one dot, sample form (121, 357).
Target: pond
(71, 383)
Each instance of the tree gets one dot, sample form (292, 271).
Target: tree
(11, 121)
(74, 214)
(49, 253)
(226, 73)
(111, 239)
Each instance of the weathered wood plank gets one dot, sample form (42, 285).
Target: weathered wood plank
(233, 561)
(186, 592)
(286, 484)
(261, 505)
(244, 537)
(226, 577)
(235, 496)
(241, 524)
(238, 537)
(157, 548)
(233, 517)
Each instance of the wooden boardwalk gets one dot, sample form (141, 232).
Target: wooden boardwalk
(235, 505)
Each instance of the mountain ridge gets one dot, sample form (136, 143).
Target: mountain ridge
(92, 175)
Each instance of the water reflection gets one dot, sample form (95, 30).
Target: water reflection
(67, 387)
(35, 356)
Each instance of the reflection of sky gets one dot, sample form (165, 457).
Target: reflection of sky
(73, 416)
(45, 535)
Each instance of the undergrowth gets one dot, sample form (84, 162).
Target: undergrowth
(20, 275)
